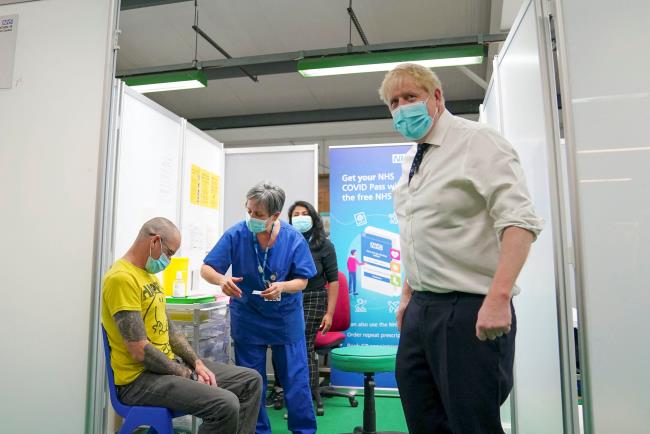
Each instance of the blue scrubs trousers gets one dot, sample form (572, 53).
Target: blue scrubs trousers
(291, 364)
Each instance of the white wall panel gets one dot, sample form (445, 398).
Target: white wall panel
(606, 100)
(524, 119)
(149, 153)
(490, 109)
(201, 226)
(50, 146)
(293, 168)
(490, 114)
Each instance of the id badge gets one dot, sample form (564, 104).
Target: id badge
(267, 285)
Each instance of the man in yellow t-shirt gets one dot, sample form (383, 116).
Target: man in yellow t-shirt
(153, 363)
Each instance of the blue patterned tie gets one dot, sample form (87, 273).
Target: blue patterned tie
(422, 148)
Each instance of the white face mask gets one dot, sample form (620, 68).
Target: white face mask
(302, 222)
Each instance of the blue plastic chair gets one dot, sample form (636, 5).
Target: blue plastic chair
(159, 419)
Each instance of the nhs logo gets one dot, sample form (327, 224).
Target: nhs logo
(397, 158)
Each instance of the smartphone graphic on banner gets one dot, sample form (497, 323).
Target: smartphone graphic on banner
(381, 255)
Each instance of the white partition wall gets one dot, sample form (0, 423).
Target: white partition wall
(169, 168)
(293, 168)
(53, 120)
(605, 87)
(202, 202)
(517, 104)
(157, 165)
(490, 110)
(490, 114)
(149, 154)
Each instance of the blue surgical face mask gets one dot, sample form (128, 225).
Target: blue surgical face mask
(302, 222)
(154, 266)
(412, 120)
(255, 225)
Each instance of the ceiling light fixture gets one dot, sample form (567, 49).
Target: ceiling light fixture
(165, 81)
(172, 80)
(386, 60)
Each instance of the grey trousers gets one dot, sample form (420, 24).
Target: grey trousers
(230, 408)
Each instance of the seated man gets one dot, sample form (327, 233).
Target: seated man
(154, 364)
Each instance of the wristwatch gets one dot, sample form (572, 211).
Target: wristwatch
(194, 376)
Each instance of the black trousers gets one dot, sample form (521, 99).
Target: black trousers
(315, 305)
(450, 382)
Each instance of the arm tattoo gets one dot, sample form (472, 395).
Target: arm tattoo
(131, 326)
(156, 361)
(180, 346)
(132, 329)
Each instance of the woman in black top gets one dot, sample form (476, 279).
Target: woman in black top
(318, 302)
(304, 217)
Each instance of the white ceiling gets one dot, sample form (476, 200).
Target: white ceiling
(162, 35)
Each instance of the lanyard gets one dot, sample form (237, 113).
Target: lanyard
(262, 266)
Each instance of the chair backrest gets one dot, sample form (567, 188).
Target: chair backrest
(341, 319)
(120, 408)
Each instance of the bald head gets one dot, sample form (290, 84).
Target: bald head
(157, 236)
(159, 226)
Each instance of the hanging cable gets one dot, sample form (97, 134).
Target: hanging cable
(350, 33)
(196, 36)
(357, 24)
(209, 40)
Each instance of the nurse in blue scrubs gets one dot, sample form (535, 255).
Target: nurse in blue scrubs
(271, 263)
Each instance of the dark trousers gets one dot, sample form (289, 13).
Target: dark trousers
(450, 382)
(315, 305)
(230, 408)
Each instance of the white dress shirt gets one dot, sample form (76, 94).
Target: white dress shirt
(470, 187)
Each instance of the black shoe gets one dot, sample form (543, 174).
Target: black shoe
(273, 397)
(278, 404)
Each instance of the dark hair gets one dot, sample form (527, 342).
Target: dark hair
(352, 251)
(318, 235)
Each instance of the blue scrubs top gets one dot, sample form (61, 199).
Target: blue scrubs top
(252, 319)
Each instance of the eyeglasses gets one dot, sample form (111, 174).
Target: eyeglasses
(165, 249)
(169, 252)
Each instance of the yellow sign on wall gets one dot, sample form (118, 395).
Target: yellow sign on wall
(204, 188)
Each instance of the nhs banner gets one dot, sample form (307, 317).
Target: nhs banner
(364, 231)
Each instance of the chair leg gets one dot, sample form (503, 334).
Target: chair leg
(369, 413)
(164, 427)
(329, 391)
(320, 411)
(128, 426)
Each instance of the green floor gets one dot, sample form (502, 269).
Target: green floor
(341, 418)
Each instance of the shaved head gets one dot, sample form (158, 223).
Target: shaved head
(159, 226)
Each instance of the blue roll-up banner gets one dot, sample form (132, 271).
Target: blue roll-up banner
(365, 234)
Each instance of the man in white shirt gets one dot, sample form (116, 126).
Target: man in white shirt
(466, 225)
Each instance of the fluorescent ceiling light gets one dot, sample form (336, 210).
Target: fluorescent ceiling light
(164, 81)
(386, 60)
(604, 151)
(589, 181)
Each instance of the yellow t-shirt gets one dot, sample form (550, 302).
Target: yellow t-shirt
(127, 287)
